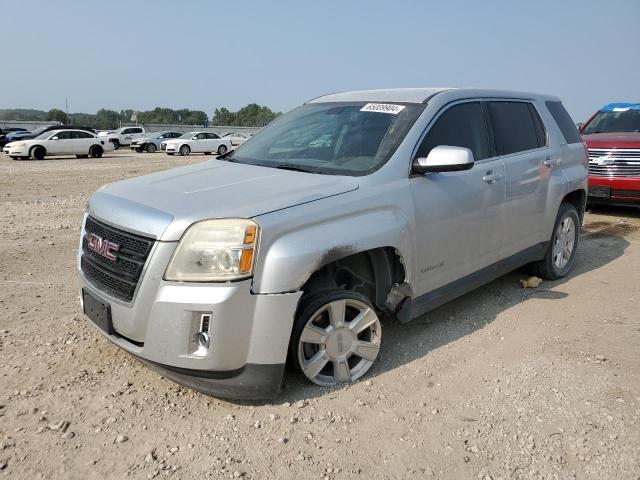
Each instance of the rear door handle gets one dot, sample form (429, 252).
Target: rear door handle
(491, 177)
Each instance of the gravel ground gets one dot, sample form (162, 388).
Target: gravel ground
(504, 383)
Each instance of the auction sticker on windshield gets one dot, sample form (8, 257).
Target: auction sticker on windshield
(382, 108)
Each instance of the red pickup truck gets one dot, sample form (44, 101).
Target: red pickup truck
(612, 136)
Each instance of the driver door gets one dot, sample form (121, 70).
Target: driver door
(59, 143)
(459, 216)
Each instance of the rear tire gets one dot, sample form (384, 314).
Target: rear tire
(222, 149)
(95, 151)
(151, 148)
(38, 153)
(185, 150)
(561, 253)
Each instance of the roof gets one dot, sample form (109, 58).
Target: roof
(422, 95)
(408, 95)
(620, 107)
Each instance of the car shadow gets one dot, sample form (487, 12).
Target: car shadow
(600, 244)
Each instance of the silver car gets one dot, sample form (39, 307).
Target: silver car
(151, 143)
(351, 208)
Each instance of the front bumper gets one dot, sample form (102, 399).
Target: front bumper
(249, 333)
(617, 191)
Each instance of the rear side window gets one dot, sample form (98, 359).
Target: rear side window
(566, 125)
(462, 125)
(80, 134)
(516, 127)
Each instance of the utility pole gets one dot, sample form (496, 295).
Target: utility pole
(66, 106)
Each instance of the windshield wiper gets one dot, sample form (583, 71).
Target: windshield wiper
(226, 156)
(294, 168)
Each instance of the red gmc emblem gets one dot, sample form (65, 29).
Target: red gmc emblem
(103, 247)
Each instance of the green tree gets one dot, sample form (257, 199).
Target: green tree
(57, 115)
(107, 119)
(252, 115)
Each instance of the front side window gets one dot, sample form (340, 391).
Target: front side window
(62, 136)
(516, 126)
(201, 136)
(462, 125)
(341, 138)
(614, 122)
(136, 130)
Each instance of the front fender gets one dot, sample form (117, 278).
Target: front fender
(287, 260)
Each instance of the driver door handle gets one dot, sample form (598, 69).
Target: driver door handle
(550, 163)
(491, 177)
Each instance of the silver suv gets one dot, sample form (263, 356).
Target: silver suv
(351, 208)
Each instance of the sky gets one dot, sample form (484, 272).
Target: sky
(203, 55)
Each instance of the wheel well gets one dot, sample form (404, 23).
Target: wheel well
(36, 146)
(373, 273)
(577, 198)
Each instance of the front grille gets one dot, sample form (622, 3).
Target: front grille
(118, 278)
(614, 162)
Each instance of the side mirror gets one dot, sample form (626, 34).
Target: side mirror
(444, 159)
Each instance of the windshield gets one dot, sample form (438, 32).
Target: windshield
(46, 134)
(187, 135)
(609, 122)
(352, 138)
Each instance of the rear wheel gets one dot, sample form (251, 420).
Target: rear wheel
(185, 150)
(95, 151)
(38, 153)
(222, 149)
(151, 147)
(336, 337)
(561, 252)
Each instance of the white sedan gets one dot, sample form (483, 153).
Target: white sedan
(197, 142)
(80, 143)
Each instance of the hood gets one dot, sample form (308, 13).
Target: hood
(175, 140)
(614, 139)
(164, 204)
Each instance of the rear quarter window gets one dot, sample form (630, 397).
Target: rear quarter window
(564, 122)
(516, 127)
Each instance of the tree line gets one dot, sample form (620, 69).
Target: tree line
(252, 115)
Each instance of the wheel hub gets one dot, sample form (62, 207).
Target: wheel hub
(340, 342)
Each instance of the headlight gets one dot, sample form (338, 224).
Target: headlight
(215, 251)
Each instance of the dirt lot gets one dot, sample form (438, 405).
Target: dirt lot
(504, 383)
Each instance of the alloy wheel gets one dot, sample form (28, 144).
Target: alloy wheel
(340, 342)
(564, 242)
